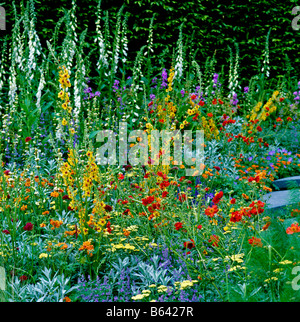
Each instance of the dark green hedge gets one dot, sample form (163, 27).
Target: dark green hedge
(216, 25)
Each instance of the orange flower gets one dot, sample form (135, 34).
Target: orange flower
(24, 207)
(126, 232)
(55, 223)
(267, 188)
(54, 194)
(210, 211)
(67, 299)
(45, 212)
(293, 229)
(88, 247)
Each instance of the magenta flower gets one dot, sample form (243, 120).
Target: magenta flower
(28, 226)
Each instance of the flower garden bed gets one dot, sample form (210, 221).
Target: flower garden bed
(73, 229)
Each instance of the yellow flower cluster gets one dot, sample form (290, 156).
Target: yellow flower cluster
(121, 246)
(169, 110)
(170, 80)
(91, 174)
(210, 129)
(235, 258)
(65, 83)
(185, 284)
(267, 109)
(67, 174)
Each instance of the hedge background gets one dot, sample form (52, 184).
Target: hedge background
(216, 24)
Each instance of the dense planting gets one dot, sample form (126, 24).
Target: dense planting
(76, 229)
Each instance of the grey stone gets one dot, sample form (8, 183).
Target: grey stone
(279, 199)
(284, 182)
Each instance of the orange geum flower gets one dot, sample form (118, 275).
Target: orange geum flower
(210, 211)
(55, 223)
(126, 232)
(54, 194)
(45, 212)
(293, 229)
(88, 247)
(62, 245)
(24, 207)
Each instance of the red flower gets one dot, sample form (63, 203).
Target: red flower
(178, 225)
(146, 201)
(255, 241)
(164, 194)
(28, 139)
(162, 175)
(214, 101)
(217, 197)
(23, 278)
(6, 172)
(217, 168)
(164, 184)
(6, 232)
(193, 96)
(232, 201)
(182, 197)
(108, 228)
(120, 176)
(108, 208)
(28, 226)
(236, 216)
(257, 207)
(201, 103)
(189, 244)
(259, 129)
(199, 227)
(65, 197)
(195, 117)
(289, 119)
(209, 114)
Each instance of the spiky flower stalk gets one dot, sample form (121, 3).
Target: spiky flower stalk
(179, 58)
(266, 61)
(103, 58)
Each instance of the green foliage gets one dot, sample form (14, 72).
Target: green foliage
(214, 27)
